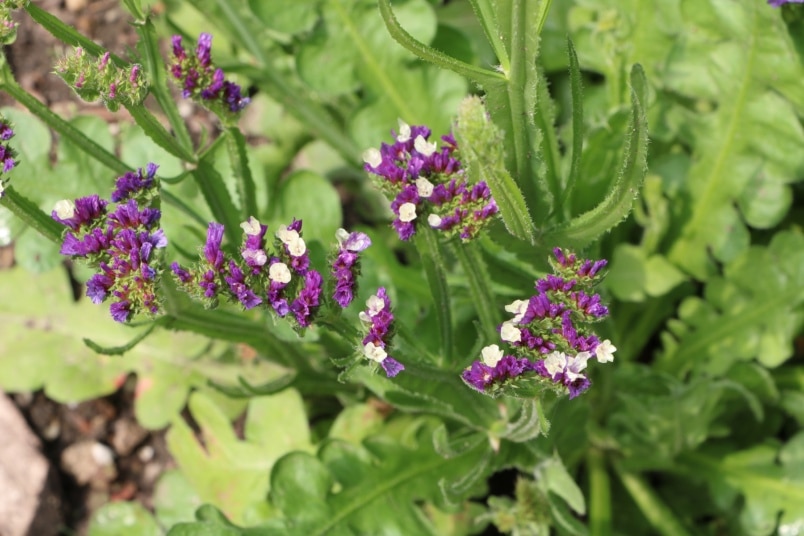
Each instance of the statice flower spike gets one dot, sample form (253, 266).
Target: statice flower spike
(346, 266)
(100, 79)
(549, 335)
(427, 183)
(121, 243)
(200, 80)
(379, 320)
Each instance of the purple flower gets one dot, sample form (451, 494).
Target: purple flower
(183, 275)
(212, 247)
(379, 318)
(308, 300)
(120, 310)
(237, 284)
(777, 3)
(346, 266)
(200, 79)
(84, 211)
(131, 183)
(495, 369)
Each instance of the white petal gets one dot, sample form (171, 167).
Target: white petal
(576, 364)
(251, 227)
(518, 307)
(423, 146)
(65, 209)
(404, 132)
(256, 256)
(605, 352)
(555, 363)
(434, 220)
(374, 304)
(279, 272)
(286, 235)
(407, 212)
(374, 352)
(341, 235)
(297, 247)
(364, 317)
(510, 333)
(491, 355)
(372, 157)
(424, 187)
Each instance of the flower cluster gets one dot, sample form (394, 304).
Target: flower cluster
(281, 279)
(95, 78)
(8, 28)
(7, 154)
(200, 80)
(549, 333)
(424, 180)
(120, 243)
(346, 266)
(378, 317)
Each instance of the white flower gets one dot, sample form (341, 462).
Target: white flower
(424, 187)
(65, 209)
(341, 235)
(256, 256)
(297, 247)
(286, 235)
(434, 220)
(423, 146)
(555, 363)
(575, 365)
(372, 157)
(279, 272)
(407, 212)
(374, 352)
(605, 352)
(510, 333)
(404, 132)
(491, 355)
(374, 305)
(251, 227)
(518, 307)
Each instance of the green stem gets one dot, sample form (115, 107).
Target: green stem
(485, 14)
(471, 259)
(661, 518)
(30, 213)
(60, 125)
(599, 494)
(68, 34)
(433, 262)
(154, 130)
(236, 145)
(156, 70)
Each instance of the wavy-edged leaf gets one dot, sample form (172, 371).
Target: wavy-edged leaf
(587, 227)
(481, 147)
(750, 312)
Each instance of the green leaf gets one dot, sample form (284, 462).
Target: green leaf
(236, 144)
(234, 474)
(123, 517)
(287, 18)
(211, 184)
(432, 258)
(481, 147)
(576, 92)
(587, 227)
(379, 487)
(308, 196)
(752, 311)
(769, 476)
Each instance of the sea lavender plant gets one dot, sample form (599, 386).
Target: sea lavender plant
(549, 334)
(120, 243)
(379, 320)
(200, 80)
(346, 265)
(428, 183)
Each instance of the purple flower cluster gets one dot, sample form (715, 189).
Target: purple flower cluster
(282, 280)
(423, 180)
(346, 266)
(549, 332)
(777, 3)
(200, 80)
(7, 154)
(120, 243)
(379, 318)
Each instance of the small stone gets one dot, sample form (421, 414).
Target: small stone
(127, 435)
(89, 462)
